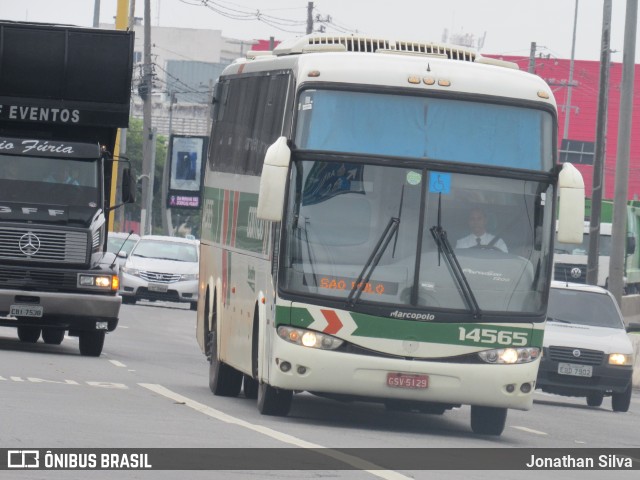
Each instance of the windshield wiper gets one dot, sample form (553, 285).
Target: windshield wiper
(372, 262)
(444, 247)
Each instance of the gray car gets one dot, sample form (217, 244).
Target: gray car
(161, 268)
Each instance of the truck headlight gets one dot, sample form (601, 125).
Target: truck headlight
(620, 359)
(309, 338)
(101, 282)
(509, 356)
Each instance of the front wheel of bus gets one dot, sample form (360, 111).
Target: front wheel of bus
(488, 420)
(274, 401)
(224, 381)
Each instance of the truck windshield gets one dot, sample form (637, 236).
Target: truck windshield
(604, 246)
(49, 181)
(363, 233)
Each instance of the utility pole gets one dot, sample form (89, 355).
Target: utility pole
(532, 58)
(567, 111)
(147, 133)
(309, 18)
(619, 227)
(167, 226)
(597, 190)
(96, 14)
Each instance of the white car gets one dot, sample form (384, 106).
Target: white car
(586, 349)
(161, 268)
(121, 244)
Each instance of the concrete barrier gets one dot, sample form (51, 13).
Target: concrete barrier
(635, 340)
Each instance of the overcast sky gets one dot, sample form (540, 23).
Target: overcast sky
(507, 26)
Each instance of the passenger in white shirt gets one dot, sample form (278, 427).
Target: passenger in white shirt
(479, 237)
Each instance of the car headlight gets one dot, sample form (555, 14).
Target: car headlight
(309, 338)
(131, 271)
(620, 359)
(189, 276)
(509, 356)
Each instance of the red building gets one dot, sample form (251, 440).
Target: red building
(578, 146)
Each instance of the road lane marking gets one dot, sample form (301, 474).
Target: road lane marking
(117, 363)
(281, 437)
(529, 430)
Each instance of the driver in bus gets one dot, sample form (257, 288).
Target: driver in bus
(479, 237)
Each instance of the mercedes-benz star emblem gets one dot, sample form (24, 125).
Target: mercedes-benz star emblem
(29, 244)
(576, 272)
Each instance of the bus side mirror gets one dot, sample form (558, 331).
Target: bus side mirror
(273, 181)
(571, 211)
(127, 187)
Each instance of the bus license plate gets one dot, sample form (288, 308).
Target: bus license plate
(157, 287)
(26, 311)
(407, 380)
(575, 370)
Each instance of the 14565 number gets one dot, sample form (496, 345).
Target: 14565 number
(490, 335)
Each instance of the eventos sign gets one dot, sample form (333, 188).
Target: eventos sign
(25, 113)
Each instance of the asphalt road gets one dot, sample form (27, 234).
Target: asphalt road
(149, 389)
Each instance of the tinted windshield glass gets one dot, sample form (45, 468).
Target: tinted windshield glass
(166, 250)
(47, 181)
(585, 308)
(604, 246)
(341, 214)
(115, 245)
(408, 126)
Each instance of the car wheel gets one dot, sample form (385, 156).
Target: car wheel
(620, 401)
(595, 399)
(52, 336)
(91, 343)
(28, 334)
(274, 401)
(488, 420)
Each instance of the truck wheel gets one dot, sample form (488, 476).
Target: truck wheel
(595, 399)
(91, 343)
(52, 336)
(28, 334)
(274, 401)
(488, 420)
(193, 306)
(128, 300)
(620, 401)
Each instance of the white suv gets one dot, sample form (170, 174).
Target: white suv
(586, 349)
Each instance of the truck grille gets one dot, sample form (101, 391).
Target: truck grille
(41, 245)
(565, 354)
(570, 272)
(160, 277)
(37, 279)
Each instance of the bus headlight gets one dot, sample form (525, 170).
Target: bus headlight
(620, 359)
(309, 338)
(509, 356)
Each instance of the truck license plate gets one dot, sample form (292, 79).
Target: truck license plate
(26, 311)
(575, 370)
(407, 380)
(157, 287)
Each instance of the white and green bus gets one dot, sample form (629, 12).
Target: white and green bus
(340, 175)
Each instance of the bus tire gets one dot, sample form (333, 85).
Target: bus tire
(488, 420)
(224, 381)
(620, 401)
(274, 401)
(250, 387)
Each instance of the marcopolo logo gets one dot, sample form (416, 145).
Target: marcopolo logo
(23, 459)
(413, 315)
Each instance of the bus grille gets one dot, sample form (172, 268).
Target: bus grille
(565, 354)
(41, 245)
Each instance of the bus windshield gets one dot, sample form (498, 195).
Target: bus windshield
(393, 224)
(434, 128)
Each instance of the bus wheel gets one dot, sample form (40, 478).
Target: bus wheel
(250, 387)
(224, 381)
(274, 401)
(488, 420)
